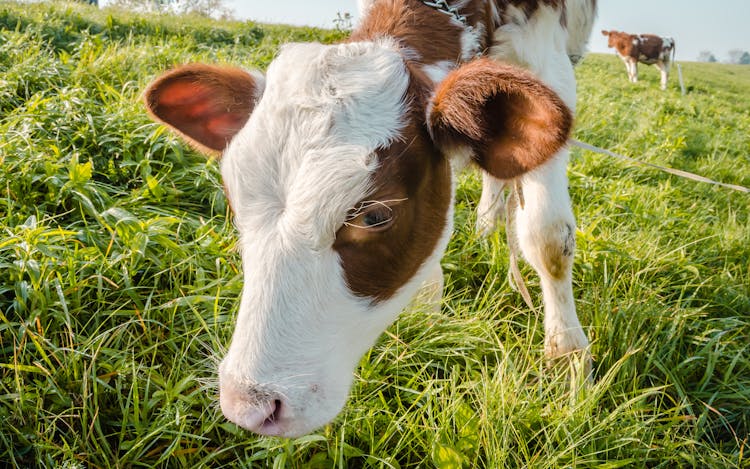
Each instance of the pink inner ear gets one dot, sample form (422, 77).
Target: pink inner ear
(180, 94)
(207, 105)
(194, 110)
(225, 125)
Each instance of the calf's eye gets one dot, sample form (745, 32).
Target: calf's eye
(377, 217)
(371, 216)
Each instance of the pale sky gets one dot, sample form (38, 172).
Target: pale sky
(717, 25)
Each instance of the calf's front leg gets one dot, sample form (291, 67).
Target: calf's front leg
(545, 228)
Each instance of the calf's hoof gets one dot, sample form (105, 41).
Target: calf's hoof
(568, 354)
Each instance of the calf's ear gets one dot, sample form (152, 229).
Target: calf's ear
(205, 104)
(509, 120)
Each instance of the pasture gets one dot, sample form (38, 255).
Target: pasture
(119, 278)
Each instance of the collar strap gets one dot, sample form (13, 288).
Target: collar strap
(442, 6)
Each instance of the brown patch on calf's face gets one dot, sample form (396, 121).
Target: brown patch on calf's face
(414, 180)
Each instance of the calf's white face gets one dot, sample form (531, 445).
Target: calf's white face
(336, 165)
(301, 179)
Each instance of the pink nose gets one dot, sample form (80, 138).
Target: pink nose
(256, 410)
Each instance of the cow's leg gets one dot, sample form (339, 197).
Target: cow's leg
(491, 205)
(546, 228)
(664, 69)
(627, 68)
(634, 71)
(544, 222)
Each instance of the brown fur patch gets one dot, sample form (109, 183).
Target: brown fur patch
(530, 6)
(512, 122)
(415, 25)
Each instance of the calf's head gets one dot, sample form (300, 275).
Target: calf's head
(612, 37)
(337, 167)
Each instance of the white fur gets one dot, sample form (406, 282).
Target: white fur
(438, 71)
(580, 20)
(364, 6)
(663, 66)
(471, 42)
(540, 45)
(631, 67)
(281, 164)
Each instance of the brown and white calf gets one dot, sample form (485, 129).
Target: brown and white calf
(339, 166)
(646, 48)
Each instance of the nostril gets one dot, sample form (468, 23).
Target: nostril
(275, 415)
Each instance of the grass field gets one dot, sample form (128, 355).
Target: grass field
(119, 278)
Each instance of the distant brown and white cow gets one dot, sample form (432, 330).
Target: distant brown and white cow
(339, 165)
(646, 48)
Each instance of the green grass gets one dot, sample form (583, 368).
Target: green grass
(119, 278)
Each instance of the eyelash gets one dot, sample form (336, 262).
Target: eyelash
(370, 207)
